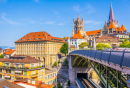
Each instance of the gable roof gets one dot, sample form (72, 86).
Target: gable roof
(39, 36)
(112, 25)
(93, 32)
(8, 51)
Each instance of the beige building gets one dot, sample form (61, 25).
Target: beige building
(40, 45)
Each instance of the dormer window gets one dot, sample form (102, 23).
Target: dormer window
(33, 35)
(38, 35)
(39, 38)
(43, 38)
(43, 34)
(34, 38)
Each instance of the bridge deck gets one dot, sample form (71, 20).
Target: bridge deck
(119, 60)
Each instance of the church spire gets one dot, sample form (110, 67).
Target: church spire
(78, 17)
(111, 16)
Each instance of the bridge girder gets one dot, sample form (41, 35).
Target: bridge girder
(109, 77)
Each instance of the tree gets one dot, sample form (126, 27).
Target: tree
(63, 37)
(64, 48)
(55, 63)
(83, 44)
(59, 85)
(69, 83)
(101, 46)
(125, 44)
(1, 56)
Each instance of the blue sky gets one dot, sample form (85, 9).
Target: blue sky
(19, 17)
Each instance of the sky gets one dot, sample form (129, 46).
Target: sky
(19, 17)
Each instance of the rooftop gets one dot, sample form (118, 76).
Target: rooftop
(8, 84)
(93, 32)
(47, 71)
(8, 51)
(39, 36)
(20, 59)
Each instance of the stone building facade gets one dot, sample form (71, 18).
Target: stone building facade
(40, 45)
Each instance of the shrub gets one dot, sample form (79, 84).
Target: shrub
(55, 63)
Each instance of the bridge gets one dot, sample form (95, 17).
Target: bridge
(112, 67)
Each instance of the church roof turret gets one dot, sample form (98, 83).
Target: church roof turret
(112, 25)
(123, 28)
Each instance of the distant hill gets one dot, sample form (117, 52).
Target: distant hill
(4, 47)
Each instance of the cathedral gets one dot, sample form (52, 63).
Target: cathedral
(111, 28)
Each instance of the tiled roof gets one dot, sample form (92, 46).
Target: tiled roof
(119, 29)
(77, 36)
(123, 28)
(93, 32)
(72, 46)
(8, 51)
(67, 37)
(38, 84)
(112, 25)
(8, 84)
(39, 36)
(24, 59)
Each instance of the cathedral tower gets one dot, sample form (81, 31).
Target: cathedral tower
(78, 25)
(112, 19)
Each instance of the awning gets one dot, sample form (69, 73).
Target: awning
(6, 76)
(18, 71)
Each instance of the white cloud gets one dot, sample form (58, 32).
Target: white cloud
(60, 24)
(49, 22)
(90, 8)
(76, 8)
(37, 1)
(29, 21)
(8, 20)
(92, 22)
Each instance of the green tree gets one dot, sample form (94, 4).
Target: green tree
(63, 37)
(64, 48)
(125, 44)
(1, 56)
(55, 63)
(59, 85)
(83, 44)
(58, 61)
(69, 83)
(101, 46)
(66, 61)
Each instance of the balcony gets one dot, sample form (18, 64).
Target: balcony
(20, 68)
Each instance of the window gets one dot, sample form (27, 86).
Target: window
(22, 65)
(11, 58)
(113, 40)
(108, 40)
(7, 64)
(25, 72)
(104, 40)
(16, 65)
(12, 71)
(15, 58)
(32, 65)
(33, 72)
(39, 64)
